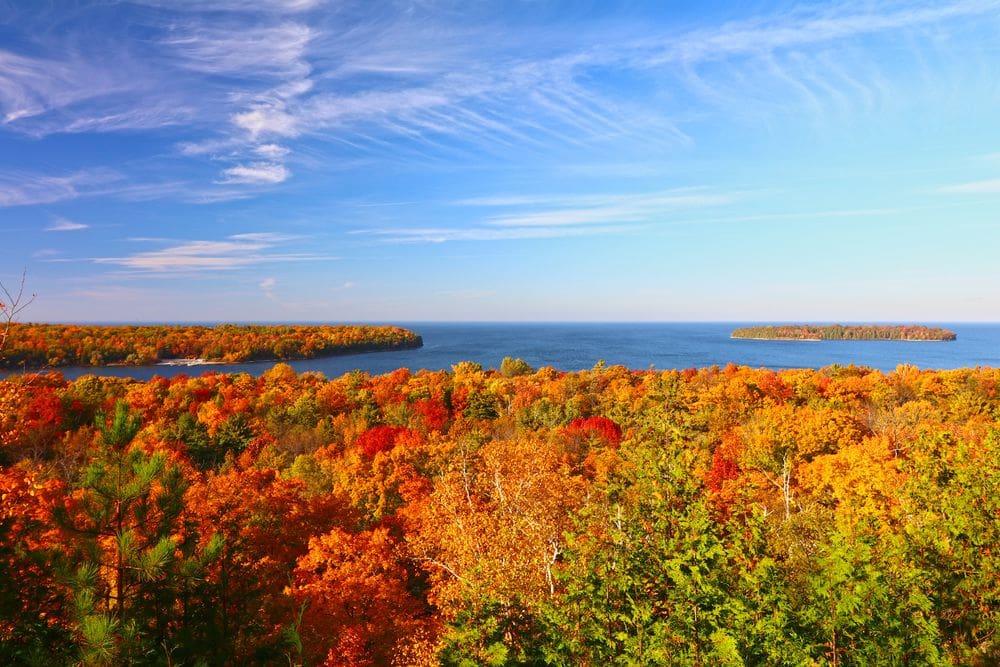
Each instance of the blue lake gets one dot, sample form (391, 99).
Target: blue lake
(576, 346)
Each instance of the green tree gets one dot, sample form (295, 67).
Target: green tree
(865, 604)
(952, 533)
(511, 367)
(133, 564)
(649, 576)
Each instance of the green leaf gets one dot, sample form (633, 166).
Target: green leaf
(154, 562)
(98, 638)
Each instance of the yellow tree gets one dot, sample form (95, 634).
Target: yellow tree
(489, 535)
(779, 437)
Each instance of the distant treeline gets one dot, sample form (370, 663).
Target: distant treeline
(53, 345)
(842, 332)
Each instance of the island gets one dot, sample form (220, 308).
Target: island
(913, 332)
(54, 345)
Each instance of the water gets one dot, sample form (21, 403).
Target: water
(572, 346)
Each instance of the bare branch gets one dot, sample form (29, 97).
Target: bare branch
(11, 305)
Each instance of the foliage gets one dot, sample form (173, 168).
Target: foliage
(845, 332)
(53, 345)
(723, 516)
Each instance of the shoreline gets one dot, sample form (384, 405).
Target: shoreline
(196, 361)
(910, 333)
(803, 340)
(845, 340)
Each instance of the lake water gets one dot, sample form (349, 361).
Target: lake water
(573, 346)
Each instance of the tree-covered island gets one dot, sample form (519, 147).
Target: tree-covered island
(914, 332)
(54, 345)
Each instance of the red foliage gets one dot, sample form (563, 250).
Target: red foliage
(388, 389)
(601, 427)
(723, 469)
(460, 399)
(723, 473)
(31, 418)
(435, 414)
(27, 532)
(774, 387)
(357, 605)
(379, 439)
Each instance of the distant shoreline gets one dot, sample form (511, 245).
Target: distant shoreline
(803, 340)
(914, 333)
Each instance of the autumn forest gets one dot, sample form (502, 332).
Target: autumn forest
(715, 516)
(53, 345)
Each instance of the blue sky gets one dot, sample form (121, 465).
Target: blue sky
(311, 160)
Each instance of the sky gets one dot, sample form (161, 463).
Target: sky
(464, 160)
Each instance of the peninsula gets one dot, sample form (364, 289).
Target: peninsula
(845, 332)
(54, 345)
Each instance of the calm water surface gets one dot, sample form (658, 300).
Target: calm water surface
(573, 346)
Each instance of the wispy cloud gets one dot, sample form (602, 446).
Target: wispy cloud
(268, 64)
(19, 188)
(267, 119)
(76, 92)
(271, 151)
(603, 209)
(61, 224)
(234, 252)
(252, 81)
(30, 86)
(444, 89)
(267, 287)
(447, 234)
(989, 186)
(234, 71)
(261, 52)
(237, 5)
(27, 188)
(555, 216)
(801, 28)
(256, 173)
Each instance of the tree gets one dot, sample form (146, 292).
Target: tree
(11, 305)
(648, 574)
(32, 610)
(358, 610)
(131, 559)
(951, 502)
(489, 537)
(246, 615)
(511, 367)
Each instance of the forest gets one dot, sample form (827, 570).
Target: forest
(714, 516)
(54, 345)
(912, 332)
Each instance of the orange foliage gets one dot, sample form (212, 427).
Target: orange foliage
(358, 610)
(388, 509)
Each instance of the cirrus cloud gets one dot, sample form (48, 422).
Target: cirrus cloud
(256, 173)
(234, 252)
